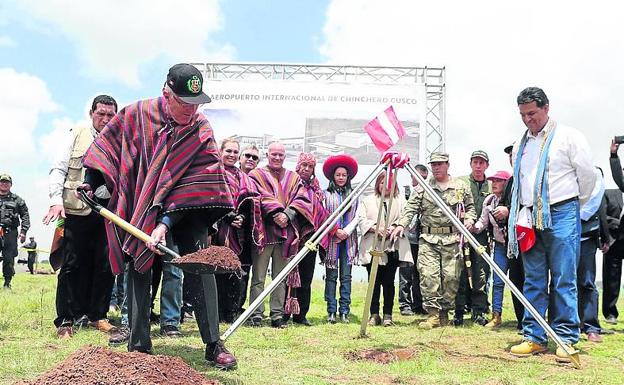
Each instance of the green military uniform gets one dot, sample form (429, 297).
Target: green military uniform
(12, 210)
(477, 294)
(439, 258)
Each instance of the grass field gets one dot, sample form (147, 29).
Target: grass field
(316, 355)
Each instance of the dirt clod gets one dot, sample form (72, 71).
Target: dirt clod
(381, 356)
(96, 365)
(219, 256)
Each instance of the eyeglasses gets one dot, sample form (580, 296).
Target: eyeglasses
(251, 156)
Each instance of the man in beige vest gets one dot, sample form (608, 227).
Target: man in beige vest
(85, 280)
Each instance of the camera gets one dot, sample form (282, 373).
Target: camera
(618, 139)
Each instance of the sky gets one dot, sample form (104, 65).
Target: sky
(56, 55)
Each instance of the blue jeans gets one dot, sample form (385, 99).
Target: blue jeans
(587, 292)
(331, 277)
(171, 295)
(556, 251)
(498, 287)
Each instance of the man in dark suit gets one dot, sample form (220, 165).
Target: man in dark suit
(612, 264)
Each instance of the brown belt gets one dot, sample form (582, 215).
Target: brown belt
(438, 230)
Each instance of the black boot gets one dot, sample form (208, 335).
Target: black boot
(331, 318)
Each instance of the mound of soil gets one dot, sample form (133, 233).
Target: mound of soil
(381, 356)
(96, 365)
(220, 257)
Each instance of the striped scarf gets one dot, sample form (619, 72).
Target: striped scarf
(541, 201)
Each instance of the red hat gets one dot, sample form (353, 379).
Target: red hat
(342, 160)
(502, 174)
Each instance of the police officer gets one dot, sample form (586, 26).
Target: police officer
(439, 257)
(31, 248)
(13, 209)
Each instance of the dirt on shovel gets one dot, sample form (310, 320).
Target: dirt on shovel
(96, 365)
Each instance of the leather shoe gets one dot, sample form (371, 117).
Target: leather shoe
(562, 356)
(218, 356)
(120, 336)
(594, 337)
(256, 322)
(527, 348)
(331, 318)
(611, 320)
(65, 332)
(302, 321)
(407, 312)
(278, 324)
(479, 319)
(170, 331)
(344, 318)
(103, 325)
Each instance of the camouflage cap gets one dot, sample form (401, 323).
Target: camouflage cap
(438, 157)
(480, 154)
(6, 178)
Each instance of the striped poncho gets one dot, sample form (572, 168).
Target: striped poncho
(278, 195)
(247, 203)
(152, 167)
(333, 200)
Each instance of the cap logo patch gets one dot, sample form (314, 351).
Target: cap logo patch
(194, 84)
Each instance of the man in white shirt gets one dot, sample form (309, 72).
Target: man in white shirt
(85, 280)
(553, 175)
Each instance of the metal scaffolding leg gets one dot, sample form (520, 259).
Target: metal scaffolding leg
(574, 354)
(311, 245)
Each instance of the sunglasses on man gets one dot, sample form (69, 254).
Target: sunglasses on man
(251, 156)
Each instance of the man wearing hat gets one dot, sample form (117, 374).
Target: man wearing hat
(13, 213)
(438, 262)
(475, 295)
(159, 159)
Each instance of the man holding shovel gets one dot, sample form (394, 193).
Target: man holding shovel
(160, 161)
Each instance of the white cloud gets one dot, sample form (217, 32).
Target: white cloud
(6, 41)
(114, 38)
(492, 50)
(24, 99)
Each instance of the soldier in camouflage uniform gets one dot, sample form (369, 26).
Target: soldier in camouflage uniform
(13, 214)
(439, 258)
(476, 294)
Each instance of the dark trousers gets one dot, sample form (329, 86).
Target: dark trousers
(516, 275)
(612, 278)
(410, 297)
(228, 289)
(244, 287)
(32, 258)
(9, 252)
(85, 281)
(385, 280)
(303, 293)
(475, 296)
(202, 292)
(157, 273)
(586, 283)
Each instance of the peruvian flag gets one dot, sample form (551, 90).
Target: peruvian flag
(385, 130)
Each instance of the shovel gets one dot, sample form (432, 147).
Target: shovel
(187, 262)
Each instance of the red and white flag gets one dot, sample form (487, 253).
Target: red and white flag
(385, 130)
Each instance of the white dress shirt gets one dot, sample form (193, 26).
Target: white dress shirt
(570, 167)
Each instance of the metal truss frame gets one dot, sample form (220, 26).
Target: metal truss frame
(433, 129)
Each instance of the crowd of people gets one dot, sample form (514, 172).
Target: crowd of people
(156, 164)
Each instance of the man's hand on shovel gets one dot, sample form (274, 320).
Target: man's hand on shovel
(158, 236)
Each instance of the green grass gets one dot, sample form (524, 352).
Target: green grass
(316, 355)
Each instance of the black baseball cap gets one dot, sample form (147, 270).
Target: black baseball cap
(186, 82)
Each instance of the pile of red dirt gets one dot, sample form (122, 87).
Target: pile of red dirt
(95, 365)
(381, 356)
(220, 257)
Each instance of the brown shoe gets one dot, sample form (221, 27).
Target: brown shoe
(103, 325)
(374, 320)
(218, 356)
(594, 337)
(65, 332)
(527, 348)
